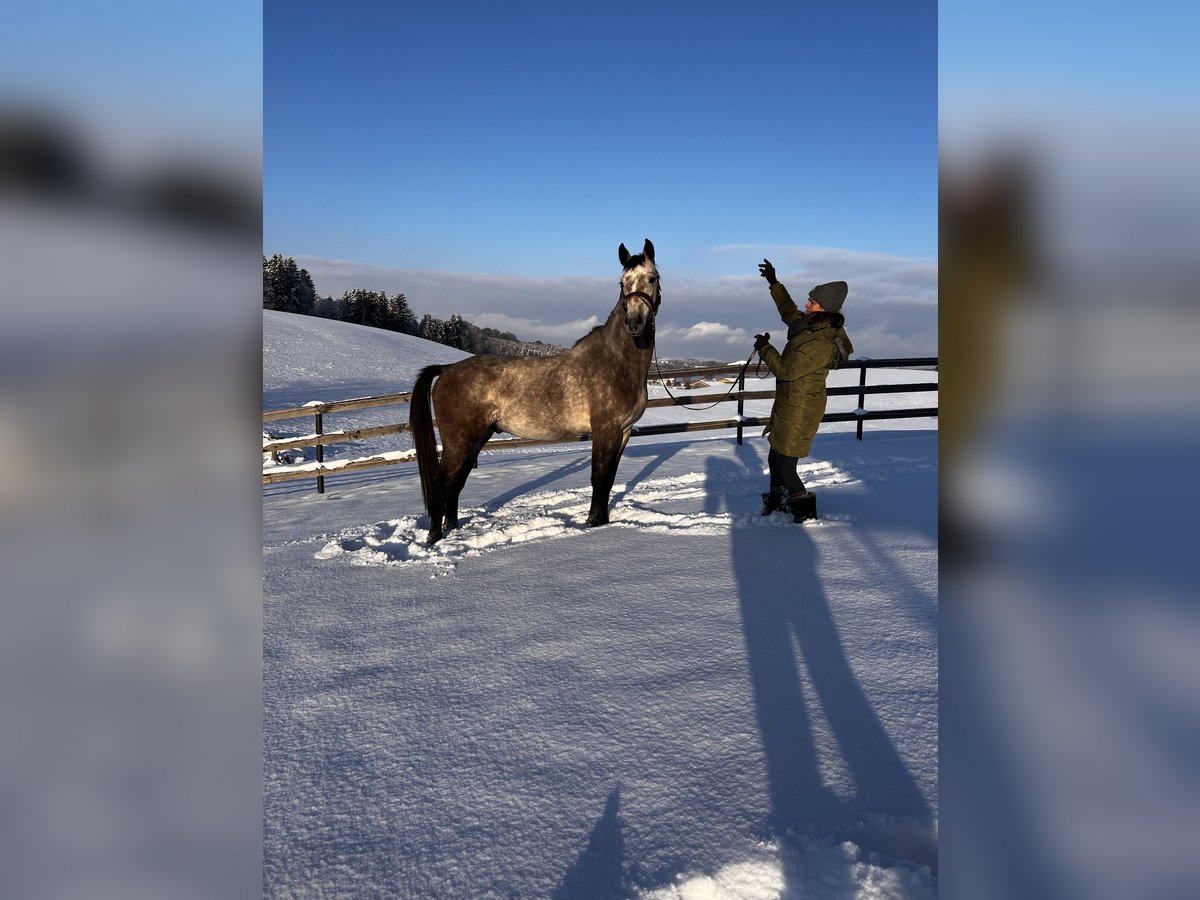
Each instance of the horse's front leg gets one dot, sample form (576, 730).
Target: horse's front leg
(607, 447)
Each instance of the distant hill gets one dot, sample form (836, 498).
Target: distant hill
(691, 362)
(507, 344)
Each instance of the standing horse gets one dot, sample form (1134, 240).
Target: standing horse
(598, 387)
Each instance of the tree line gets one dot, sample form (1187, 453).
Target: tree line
(289, 288)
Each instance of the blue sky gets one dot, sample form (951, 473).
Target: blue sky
(140, 64)
(526, 140)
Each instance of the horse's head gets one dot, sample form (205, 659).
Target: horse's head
(640, 294)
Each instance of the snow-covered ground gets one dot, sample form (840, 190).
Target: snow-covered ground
(694, 701)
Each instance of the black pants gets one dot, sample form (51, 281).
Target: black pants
(783, 472)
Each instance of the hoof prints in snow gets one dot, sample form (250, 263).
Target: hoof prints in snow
(649, 506)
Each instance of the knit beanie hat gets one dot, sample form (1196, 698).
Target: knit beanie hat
(830, 295)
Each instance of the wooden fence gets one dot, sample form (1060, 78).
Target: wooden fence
(320, 439)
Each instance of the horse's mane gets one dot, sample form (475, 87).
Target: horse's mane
(588, 335)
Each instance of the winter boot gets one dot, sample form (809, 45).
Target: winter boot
(772, 501)
(803, 505)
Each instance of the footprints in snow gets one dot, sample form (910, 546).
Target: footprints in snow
(692, 504)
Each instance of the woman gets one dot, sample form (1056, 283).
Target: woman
(816, 342)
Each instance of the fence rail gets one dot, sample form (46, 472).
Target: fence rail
(320, 439)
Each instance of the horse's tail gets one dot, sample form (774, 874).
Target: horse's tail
(420, 423)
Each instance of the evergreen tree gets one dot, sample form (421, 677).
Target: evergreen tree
(286, 287)
(275, 292)
(373, 307)
(399, 316)
(364, 307)
(455, 332)
(270, 298)
(349, 306)
(471, 338)
(306, 291)
(432, 329)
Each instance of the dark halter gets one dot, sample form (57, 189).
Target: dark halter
(642, 294)
(652, 302)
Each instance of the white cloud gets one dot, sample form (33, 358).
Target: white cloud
(704, 331)
(891, 310)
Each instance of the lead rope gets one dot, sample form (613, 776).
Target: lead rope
(740, 373)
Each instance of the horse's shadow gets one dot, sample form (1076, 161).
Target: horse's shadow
(575, 465)
(655, 455)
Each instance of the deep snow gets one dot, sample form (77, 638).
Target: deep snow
(694, 701)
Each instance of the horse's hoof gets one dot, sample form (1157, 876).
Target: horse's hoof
(596, 522)
(434, 537)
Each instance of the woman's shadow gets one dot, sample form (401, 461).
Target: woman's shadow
(800, 675)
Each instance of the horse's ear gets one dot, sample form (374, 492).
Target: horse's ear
(622, 254)
(649, 250)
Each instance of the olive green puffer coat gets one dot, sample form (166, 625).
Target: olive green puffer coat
(800, 373)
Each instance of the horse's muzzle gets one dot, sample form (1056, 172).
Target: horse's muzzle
(639, 309)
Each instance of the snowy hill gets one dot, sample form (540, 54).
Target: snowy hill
(694, 701)
(306, 358)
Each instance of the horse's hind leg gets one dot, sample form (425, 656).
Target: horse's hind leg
(443, 494)
(458, 470)
(437, 505)
(607, 447)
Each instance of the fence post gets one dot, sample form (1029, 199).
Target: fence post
(862, 400)
(741, 402)
(320, 456)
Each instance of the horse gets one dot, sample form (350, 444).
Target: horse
(596, 388)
